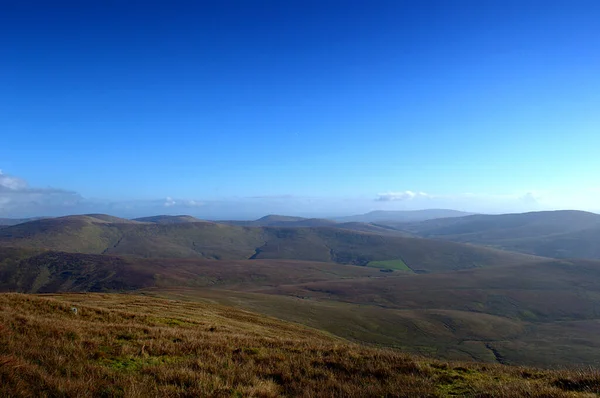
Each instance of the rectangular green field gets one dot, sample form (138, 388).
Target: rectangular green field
(396, 265)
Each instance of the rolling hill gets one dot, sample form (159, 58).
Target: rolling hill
(94, 235)
(379, 216)
(274, 220)
(540, 314)
(299, 222)
(163, 219)
(544, 313)
(130, 345)
(7, 222)
(559, 234)
(436, 297)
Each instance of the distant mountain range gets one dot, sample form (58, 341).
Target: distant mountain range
(403, 216)
(101, 234)
(446, 286)
(280, 220)
(5, 222)
(559, 234)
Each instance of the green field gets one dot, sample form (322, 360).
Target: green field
(396, 265)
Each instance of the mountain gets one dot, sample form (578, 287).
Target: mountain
(119, 345)
(168, 219)
(282, 221)
(559, 234)
(525, 314)
(6, 222)
(300, 222)
(402, 216)
(92, 235)
(108, 219)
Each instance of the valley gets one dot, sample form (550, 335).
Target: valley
(453, 301)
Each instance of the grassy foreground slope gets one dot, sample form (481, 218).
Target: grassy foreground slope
(135, 346)
(95, 235)
(543, 314)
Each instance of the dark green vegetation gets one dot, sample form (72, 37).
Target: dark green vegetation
(397, 265)
(135, 346)
(559, 234)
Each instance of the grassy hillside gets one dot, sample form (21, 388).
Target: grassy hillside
(136, 346)
(559, 234)
(543, 314)
(86, 234)
(283, 221)
(6, 222)
(379, 216)
(168, 219)
(47, 271)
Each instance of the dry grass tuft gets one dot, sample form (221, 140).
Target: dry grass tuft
(134, 346)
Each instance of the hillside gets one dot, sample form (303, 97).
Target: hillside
(299, 222)
(283, 221)
(540, 313)
(379, 216)
(560, 234)
(49, 272)
(128, 345)
(168, 219)
(6, 222)
(84, 234)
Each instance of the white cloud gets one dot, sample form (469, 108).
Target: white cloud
(169, 202)
(194, 203)
(9, 183)
(17, 198)
(400, 196)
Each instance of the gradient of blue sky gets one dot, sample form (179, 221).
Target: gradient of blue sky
(471, 102)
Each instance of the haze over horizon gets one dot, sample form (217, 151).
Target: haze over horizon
(238, 110)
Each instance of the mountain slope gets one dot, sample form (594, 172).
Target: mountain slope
(122, 345)
(168, 219)
(540, 313)
(560, 234)
(32, 271)
(402, 216)
(6, 222)
(83, 234)
(283, 221)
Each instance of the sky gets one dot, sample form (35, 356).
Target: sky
(239, 108)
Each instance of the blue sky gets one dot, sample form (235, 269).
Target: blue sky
(242, 108)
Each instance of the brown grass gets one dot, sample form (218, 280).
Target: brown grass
(135, 346)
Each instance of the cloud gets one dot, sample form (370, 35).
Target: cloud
(169, 202)
(194, 203)
(17, 198)
(8, 183)
(400, 196)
